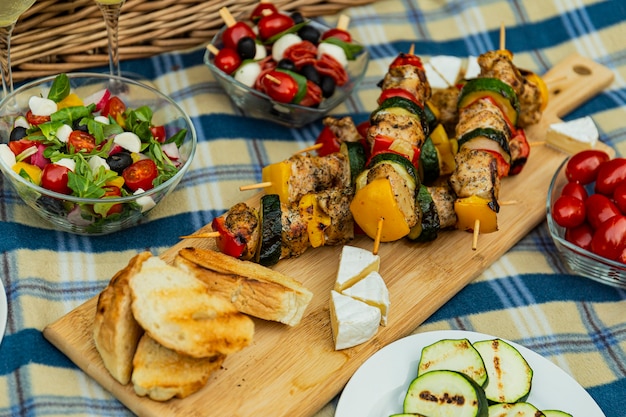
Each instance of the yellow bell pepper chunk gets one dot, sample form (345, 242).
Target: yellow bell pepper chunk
(117, 181)
(33, 171)
(373, 202)
(470, 209)
(71, 100)
(543, 89)
(278, 175)
(317, 221)
(445, 150)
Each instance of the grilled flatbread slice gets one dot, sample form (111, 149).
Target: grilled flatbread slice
(161, 373)
(252, 288)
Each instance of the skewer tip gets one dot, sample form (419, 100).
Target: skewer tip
(379, 232)
(476, 233)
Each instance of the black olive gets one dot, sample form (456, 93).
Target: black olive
(297, 17)
(286, 64)
(51, 205)
(17, 133)
(77, 126)
(309, 33)
(328, 85)
(118, 162)
(246, 48)
(310, 73)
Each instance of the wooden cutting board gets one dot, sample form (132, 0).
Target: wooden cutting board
(296, 371)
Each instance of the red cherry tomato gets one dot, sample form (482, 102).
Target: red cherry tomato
(580, 236)
(81, 141)
(234, 33)
(583, 166)
(113, 191)
(228, 60)
(262, 9)
(140, 174)
(280, 86)
(398, 92)
(406, 59)
(274, 24)
(609, 240)
(328, 140)
(36, 120)
(115, 107)
(575, 189)
(599, 209)
(342, 35)
(54, 178)
(568, 211)
(158, 133)
(619, 196)
(610, 173)
(19, 146)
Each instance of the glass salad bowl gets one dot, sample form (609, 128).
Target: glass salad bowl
(86, 173)
(254, 103)
(580, 261)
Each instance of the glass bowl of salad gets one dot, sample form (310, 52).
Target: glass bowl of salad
(92, 153)
(315, 74)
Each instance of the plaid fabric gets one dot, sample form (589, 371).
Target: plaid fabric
(526, 296)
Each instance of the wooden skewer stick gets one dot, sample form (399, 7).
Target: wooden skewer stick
(379, 232)
(272, 78)
(343, 22)
(213, 49)
(508, 203)
(309, 148)
(476, 233)
(255, 186)
(210, 235)
(537, 143)
(227, 17)
(412, 49)
(502, 37)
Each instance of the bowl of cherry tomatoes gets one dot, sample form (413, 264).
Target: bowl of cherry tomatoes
(92, 153)
(586, 215)
(284, 68)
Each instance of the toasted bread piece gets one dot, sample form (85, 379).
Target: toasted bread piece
(178, 311)
(115, 331)
(252, 288)
(161, 373)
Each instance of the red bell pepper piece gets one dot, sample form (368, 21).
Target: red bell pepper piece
(227, 241)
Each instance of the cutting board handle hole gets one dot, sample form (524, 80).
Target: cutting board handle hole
(582, 70)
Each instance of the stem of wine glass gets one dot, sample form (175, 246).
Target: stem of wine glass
(111, 13)
(5, 59)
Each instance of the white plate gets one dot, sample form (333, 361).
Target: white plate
(3, 311)
(378, 387)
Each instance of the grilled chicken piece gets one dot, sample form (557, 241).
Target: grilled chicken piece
(482, 114)
(398, 126)
(476, 174)
(530, 104)
(410, 78)
(314, 173)
(295, 239)
(243, 222)
(336, 203)
(498, 64)
(443, 198)
(403, 193)
(446, 101)
(344, 129)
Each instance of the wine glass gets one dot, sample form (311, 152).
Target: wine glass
(10, 11)
(111, 12)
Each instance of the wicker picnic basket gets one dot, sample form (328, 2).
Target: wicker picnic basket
(56, 36)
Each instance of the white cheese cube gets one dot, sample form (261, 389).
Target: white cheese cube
(373, 291)
(573, 136)
(352, 321)
(472, 69)
(443, 71)
(354, 264)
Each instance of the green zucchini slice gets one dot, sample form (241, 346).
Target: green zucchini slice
(555, 413)
(355, 153)
(509, 375)
(404, 104)
(488, 139)
(429, 161)
(502, 93)
(401, 163)
(455, 355)
(270, 245)
(520, 409)
(428, 228)
(445, 393)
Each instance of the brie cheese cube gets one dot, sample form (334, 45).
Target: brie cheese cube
(472, 69)
(352, 321)
(573, 136)
(443, 71)
(354, 264)
(373, 291)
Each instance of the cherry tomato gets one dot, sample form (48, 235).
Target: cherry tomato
(19, 146)
(610, 173)
(580, 235)
(619, 196)
(158, 133)
(81, 141)
(568, 211)
(398, 92)
(599, 209)
(274, 24)
(262, 9)
(576, 190)
(280, 86)
(328, 140)
(609, 240)
(54, 178)
(113, 191)
(406, 59)
(228, 60)
(583, 166)
(233, 33)
(140, 174)
(342, 35)
(36, 120)
(114, 108)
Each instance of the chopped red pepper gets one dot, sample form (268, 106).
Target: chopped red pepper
(227, 242)
(382, 144)
(519, 141)
(406, 59)
(330, 143)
